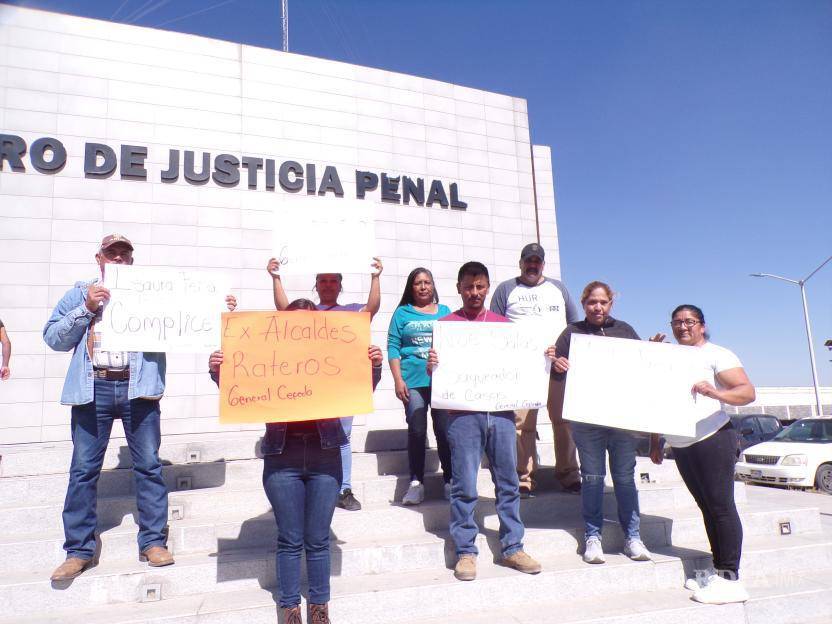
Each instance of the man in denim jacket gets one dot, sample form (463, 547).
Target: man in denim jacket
(101, 386)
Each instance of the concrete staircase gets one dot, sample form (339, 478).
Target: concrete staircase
(390, 563)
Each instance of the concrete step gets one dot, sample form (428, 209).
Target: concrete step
(186, 453)
(649, 591)
(241, 490)
(34, 503)
(231, 474)
(40, 489)
(234, 567)
(559, 513)
(800, 599)
(375, 452)
(54, 457)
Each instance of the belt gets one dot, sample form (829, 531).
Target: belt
(112, 375)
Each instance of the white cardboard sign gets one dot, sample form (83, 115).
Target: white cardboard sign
(637, 385)
(489, 367)
(324, 236)
(159, 309)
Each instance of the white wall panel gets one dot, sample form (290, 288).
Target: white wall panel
(81, 80)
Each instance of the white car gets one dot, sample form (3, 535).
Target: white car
(798, 456)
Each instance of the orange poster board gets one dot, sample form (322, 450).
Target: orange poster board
(291, 366)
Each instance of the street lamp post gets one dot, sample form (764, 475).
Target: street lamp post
(802, 284)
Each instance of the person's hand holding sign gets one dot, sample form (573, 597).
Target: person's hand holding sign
(561, 364)
(706, 389)
(273, 267)
(281, 301)
(433, 360)
(216, 358)
(214, 362)
(377, 267)
(97, 296)
(375, 355)
(551, 353)
(656, 451)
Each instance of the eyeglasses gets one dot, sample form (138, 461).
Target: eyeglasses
(688, 322)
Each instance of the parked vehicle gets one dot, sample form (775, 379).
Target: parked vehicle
(751, 429)
(799, 456)
(755, 428)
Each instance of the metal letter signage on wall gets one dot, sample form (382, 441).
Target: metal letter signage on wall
(48, 156)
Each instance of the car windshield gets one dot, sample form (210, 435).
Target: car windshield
(809, 430)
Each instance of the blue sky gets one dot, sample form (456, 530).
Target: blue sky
(692, 141)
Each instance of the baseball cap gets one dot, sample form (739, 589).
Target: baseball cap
(112, 239)
(532, 249)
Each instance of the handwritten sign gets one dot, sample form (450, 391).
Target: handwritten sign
(324, 236)
(291, 366)
(489, 367)
(631, 384)
(158, 309)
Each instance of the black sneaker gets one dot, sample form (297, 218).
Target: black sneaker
(526, 493)
(347, 501)
(575, 488)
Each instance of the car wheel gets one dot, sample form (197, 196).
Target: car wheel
(823, 478)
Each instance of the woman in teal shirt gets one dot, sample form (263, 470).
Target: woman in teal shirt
(408, 340)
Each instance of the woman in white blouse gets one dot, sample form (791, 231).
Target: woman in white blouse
(706, 461)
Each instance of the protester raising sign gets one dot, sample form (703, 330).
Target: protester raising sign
(630, 384)
(489, 367)
(290, 366)
(324, 236)
(156, 309)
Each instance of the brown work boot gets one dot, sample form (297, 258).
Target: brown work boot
(521, 562)
(290, 615)
(157, 556)
(71, 568)
(466, 567)
(319, 614)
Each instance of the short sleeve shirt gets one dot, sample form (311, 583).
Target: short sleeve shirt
(485, 317)
(715, 359)
(349, 307)
(547, 304)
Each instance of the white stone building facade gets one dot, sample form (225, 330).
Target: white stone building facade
(84, 81)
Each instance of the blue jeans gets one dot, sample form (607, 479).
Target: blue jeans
(91, 426)
(302, 486)
(346, 454)
(416, 414)
(469, 434)
(593, 442)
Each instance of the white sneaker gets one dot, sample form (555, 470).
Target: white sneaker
(593, 552)
(721, 591)
(636, 550)
(702, 579)
(415, 494)
(447, 492)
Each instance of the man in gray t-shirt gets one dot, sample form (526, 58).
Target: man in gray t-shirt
(533, 298)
